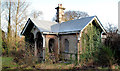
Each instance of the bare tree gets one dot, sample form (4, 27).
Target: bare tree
(36, 14)
(71, 15)
(0, 38)
(20, 8)
(111, 28)
(8, 11)
(15, 14)
(7, 7)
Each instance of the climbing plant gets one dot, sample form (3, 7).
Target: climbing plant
(90, 43)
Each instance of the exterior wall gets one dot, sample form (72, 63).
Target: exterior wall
(72, 46)
(47, 38)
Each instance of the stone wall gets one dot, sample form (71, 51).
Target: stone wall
(72, 38)
(47, 38)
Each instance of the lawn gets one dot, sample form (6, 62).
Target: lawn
(7, 62)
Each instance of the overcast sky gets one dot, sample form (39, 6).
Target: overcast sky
(105, 10)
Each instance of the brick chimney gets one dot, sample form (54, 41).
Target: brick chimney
(60, 13)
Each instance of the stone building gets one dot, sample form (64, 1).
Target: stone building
(61, 39)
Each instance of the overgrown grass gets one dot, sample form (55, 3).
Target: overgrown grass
(54, 66)
(8, 62)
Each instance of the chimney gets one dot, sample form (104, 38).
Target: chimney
(60, 13)
(119, 17)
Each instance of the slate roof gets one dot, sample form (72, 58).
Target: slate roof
(72, 25)
(43, 26)
(69, 26)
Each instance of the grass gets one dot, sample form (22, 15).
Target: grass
(54, 66)
(8, 62)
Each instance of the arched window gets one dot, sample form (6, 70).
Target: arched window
(66, 45)
(51, 45)
(39, 41)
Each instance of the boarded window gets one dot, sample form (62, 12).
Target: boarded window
(66, 45)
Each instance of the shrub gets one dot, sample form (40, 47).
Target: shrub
(24, 55)
(105, 56)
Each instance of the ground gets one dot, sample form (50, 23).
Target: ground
(9, 64)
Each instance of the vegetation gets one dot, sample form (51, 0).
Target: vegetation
(71, 15)
(0, 42)
(18, 54)
(15, 15)
(90, 44)
(95, 53)
(8, 62)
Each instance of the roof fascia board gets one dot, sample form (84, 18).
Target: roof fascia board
(100, 24)
(69, 32)
(25, 26)
(49, 33)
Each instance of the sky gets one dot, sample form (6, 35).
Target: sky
(105, 10)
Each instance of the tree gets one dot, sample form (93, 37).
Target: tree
(20, 9)
(0, 42)
(15, 14)
(36, 14)
(7, 7)
(71, 15)
(111, 28)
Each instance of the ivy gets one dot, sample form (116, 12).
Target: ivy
(90, 42)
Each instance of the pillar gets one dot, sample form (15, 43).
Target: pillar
(43, 47)
(35, 52)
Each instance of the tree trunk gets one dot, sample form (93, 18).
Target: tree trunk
(16, 23)
(9, 28)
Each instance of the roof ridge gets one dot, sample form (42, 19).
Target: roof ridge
(32, 19)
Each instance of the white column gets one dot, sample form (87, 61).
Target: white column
(43, 46)
(35, 47)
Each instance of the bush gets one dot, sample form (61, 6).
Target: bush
(24, 55)
(105, 56)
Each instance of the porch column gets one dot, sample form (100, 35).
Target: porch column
(35, 52)
(78, 50)
(43, 47)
